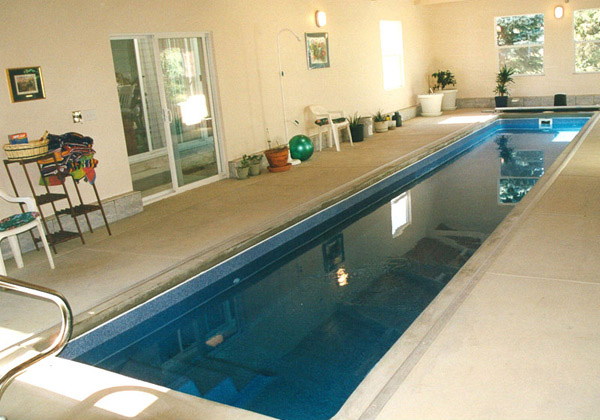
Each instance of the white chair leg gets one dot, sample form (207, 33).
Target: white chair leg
(2, 266)
(13, 241)
(349, 135)
(320, 147)
(46, 246)
(336, 138)
(330, 136)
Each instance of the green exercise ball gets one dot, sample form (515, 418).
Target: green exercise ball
(301, 147)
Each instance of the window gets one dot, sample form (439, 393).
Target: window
(586, 25)
(391, 52)
(520, 42)
(401, 213)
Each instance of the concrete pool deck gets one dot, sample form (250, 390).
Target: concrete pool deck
(521, 341)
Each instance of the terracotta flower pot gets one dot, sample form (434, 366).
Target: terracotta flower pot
(277, 157)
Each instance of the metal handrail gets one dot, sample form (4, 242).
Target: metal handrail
(61, 340)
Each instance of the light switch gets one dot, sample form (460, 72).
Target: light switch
(77, 118)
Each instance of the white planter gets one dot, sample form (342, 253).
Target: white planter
(380, 126)
(431, 104)
(449, 101)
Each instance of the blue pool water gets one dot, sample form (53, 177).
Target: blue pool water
(292, 332)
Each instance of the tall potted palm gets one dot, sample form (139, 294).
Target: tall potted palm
(503, 79)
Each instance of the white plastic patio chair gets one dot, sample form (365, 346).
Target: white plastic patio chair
(11, 226)
(326, 121)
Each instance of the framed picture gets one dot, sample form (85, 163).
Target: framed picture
(25, 84)
(317, 50)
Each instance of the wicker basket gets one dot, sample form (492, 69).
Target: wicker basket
(29, 150)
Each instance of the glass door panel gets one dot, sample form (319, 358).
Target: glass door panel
(189, 108)
(141, 113)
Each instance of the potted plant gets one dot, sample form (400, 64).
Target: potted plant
(255, 161)
(356, 128)
(503, 79)
(446, 78)
(277, 157)
(243, 168)
(380, 122)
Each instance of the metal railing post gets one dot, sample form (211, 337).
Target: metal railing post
(43, 293)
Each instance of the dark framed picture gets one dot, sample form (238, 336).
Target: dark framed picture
(317, 50)
(25, 84)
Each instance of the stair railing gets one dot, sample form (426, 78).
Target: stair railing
(38, 292)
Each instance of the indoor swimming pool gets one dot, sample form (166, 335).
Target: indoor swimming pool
(290, 327)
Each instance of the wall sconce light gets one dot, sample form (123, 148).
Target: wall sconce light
(559, 12)
(320, 18)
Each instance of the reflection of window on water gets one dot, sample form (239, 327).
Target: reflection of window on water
(564, 136)
(512, 190)
(401, 214)
(524, 163)
(333, 252)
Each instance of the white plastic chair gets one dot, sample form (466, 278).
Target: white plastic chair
(125, 96)
(325, 121)
(11, 226)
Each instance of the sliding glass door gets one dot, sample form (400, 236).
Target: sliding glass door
(167, 108)
(188, 108)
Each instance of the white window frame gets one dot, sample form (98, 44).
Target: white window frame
(536, 44)
(392, 51)
(582, 42)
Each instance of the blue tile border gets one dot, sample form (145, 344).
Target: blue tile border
(103, 339)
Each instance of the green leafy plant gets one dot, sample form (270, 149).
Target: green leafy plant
(379, 116)
(255, 159)
(354, 120)
(444, 78)
(245, 162)
(503, 79)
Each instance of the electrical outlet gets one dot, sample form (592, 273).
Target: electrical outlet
(77, 118)
(89, 115)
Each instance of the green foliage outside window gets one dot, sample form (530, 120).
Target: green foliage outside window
(521, 43)
(587, 40)
(173, 68)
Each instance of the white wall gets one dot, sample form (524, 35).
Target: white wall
(70, 41)
(463, 40)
